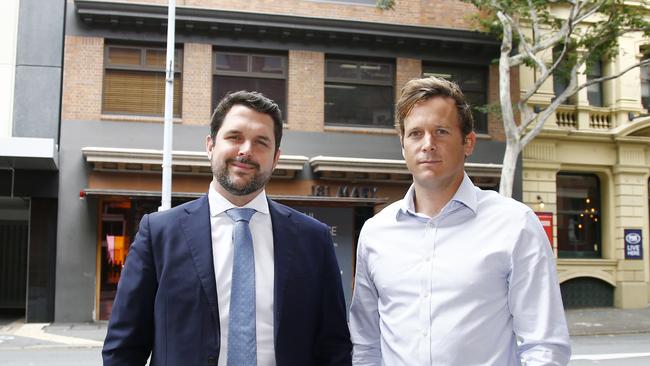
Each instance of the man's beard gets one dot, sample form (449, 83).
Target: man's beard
(255, 183)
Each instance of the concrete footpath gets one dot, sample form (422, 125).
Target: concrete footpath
(16, 334)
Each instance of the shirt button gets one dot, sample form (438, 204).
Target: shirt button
(426, 296)
(427, 259)
(424, 333)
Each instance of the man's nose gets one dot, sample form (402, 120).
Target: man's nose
(429, 142)
(245, 147)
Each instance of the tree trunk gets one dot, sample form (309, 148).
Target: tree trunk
(508, 170)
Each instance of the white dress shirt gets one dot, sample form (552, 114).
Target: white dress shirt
(474, 285)
(222, 253)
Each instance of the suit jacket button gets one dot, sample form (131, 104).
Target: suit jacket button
(212, 360)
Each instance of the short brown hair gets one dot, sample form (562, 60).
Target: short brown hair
(253, 100)
(423, 89)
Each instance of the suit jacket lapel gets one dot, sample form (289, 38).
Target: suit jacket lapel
(196, 227)
(284, 240)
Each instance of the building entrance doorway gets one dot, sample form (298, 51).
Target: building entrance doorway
(14, 228)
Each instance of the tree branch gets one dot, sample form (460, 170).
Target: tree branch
(534, 18)
(610, 77)
(546, 113)
(526, 45)
(504, 80)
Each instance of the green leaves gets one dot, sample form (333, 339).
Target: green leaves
(386, 4)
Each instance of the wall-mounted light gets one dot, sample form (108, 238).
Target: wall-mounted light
(540, 202)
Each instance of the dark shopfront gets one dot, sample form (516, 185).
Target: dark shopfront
(119, 217)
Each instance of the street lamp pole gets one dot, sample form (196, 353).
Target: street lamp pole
(166, 198)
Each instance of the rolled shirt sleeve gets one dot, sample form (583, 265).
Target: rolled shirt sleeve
(534, 299)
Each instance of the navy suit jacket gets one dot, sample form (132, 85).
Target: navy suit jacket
(166, 302)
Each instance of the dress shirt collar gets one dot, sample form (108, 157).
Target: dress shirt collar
(465, 196)
(219, 204)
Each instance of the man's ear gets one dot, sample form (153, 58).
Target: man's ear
(470, 142)
(276, 158)
(209, 145)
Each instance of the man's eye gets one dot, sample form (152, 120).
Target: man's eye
(442, 132)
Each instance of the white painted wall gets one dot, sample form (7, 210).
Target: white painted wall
(8, 32)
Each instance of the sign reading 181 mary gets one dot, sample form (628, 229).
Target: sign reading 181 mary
(633, 244)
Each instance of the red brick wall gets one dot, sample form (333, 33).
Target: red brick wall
(495, 123)
(428, 13)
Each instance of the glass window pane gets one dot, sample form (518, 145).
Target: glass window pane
(123, 56)
(268, 65)
(271, 88)
(342, 70)
(595, 94)
(578, 215)
(595, 91)
(359, 105)
(138, 93)
(480, 118)
(561, 74)
(468, 78)
(115, 241)
(471, 81)
(155, 58)
(645, 86)
(375, 72)
(232, 62)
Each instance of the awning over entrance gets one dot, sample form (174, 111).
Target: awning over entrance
(183, 162)
(386, 170)
(289, 199)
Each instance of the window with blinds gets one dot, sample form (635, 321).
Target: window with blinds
(134, 81)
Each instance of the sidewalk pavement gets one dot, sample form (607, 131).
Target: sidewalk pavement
(17, 334)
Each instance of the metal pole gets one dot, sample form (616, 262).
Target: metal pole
(166, 199)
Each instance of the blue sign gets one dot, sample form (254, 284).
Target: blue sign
(633, 244)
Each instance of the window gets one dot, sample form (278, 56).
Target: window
(134, 81)
(118, 222)
(264, 73)
(359, 93)
(561, 74)
(595, 91)
(645, 85)
(578, 216)
(473, 83)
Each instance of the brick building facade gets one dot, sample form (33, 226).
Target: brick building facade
(336, 68)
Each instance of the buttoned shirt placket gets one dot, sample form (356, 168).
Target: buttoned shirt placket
(430, 230)
(429, 275)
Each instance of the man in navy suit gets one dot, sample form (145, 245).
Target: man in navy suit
(174, 295)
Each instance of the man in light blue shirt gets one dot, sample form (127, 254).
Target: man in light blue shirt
(451, 274)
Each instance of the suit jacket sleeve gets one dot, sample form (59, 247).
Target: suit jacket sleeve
(130, 329)
(333, 346)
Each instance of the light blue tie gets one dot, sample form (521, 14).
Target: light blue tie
(242, 345)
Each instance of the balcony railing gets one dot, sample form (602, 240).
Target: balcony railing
(588, 118)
